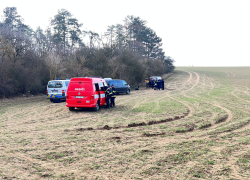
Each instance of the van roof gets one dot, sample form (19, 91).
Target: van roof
(60, 80)
(85, 79)
(116, 80)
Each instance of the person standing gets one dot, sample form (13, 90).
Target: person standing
(113, 96)
(158, 81)
(152, 83)
(108, 95)
(162, 84)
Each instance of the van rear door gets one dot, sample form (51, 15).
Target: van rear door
(79, 93)
(55, 88)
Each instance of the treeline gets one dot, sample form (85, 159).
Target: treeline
(29, 59)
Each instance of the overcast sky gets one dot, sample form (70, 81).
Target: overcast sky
(194, 32)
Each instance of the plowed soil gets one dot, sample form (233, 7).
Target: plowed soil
(197, 128)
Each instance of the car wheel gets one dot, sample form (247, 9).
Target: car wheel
(128, 91)
(71, 108)
(97, 107)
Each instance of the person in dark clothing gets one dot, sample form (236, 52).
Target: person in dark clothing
(162, 84)
(158, 81)
(108, 95)
(113, 96)
(152, 83)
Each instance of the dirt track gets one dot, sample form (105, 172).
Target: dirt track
(192, 129)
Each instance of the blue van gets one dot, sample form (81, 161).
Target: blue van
(120, 85)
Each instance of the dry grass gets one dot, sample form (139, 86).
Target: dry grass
(198, 127)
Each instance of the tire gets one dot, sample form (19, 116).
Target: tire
(71, 108)
(51, 100)
(97, 107)
(128, 91)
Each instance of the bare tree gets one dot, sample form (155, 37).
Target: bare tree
(54, 62)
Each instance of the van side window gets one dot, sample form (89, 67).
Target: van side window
(96, 87)
(119, 83)
(101, 86)
(112, 82)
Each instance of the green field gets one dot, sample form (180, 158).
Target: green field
(197, 128)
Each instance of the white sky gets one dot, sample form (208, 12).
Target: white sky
(194, 32)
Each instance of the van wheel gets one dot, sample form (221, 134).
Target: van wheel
(71, 108)
(128, 91)
(97, 107)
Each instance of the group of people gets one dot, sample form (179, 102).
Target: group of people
(110, 96)
(156, 84)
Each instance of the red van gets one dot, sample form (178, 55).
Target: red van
(86, 92)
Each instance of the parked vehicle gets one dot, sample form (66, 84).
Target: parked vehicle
(121, 86)
(86, 93)
(107, 79)
(57, 89)
(154, 78)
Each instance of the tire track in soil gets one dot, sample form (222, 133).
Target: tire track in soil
(236, 90)
(189, 79)
(180, 82)
(106, 127)
(229, 113)
(189, 113)
(172, 82)
(196, 81)
(190, 108)
(227, 74)
(206, 83)
(233, 75)
(212, 86)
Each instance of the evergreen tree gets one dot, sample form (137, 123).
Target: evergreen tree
(11, 17)
(66, 29)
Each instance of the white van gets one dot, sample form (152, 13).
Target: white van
(57, 89)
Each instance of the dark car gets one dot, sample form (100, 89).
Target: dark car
(121, 86)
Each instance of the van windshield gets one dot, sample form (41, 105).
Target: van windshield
(55, 84)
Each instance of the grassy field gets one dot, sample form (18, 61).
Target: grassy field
(197, 128)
